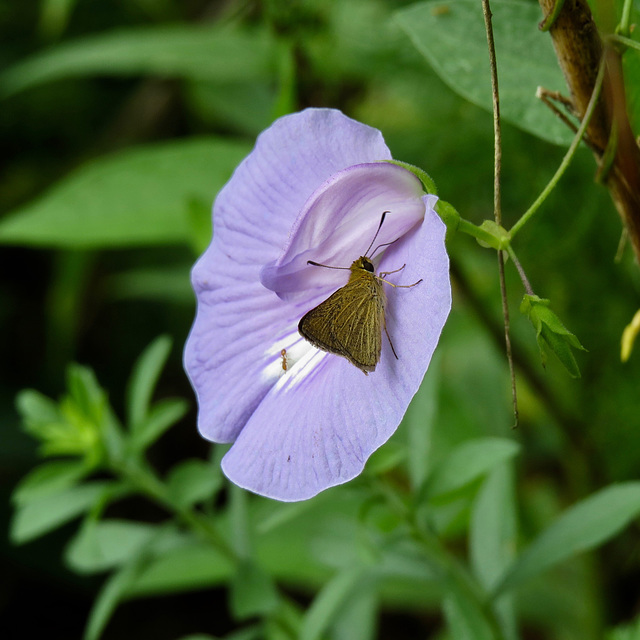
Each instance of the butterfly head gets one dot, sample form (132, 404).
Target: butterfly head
(362, 264)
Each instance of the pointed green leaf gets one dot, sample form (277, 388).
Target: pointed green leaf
(36, 408)
(192, 481)
(112, 592)
(48, 478)
(253, 592)
(194, 565)
(493, 538)
(163, 415)
(582, 527)
(144, 377)
(419, 420)
(334, 595)
(465, 620)
(37, 517)
(194, 52)
(468, 462)
(451, 36)
(103, 545)
(134, 197)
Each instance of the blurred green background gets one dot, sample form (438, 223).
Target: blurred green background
(120, 121)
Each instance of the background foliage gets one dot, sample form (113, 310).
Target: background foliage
(120, 121)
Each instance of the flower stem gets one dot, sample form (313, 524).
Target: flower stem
(454, 575)
(497, 206)
(148, 484)
(528, 214)
(523, 276)
(627, 42)
(625, 20)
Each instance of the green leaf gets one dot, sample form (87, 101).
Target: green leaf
(194, 565)
(631, 71)
(88, 410)
(359, 618)
(204, 53)
(159, 284)
(386, 458)
(253, 592)
(54, 17)
(132, 198)
(326, 605)
(36, 408)
(108, 599)
(37, 517)
(144, 377)
(493, 531)
(451, 36)
(465, 620)
(582, 527)
(163, 415)
(551, 333)
(419, 420)
(48, 478)
(112, 592)
(493, 538)
(468, 462)
(111, 543)
(192, 481)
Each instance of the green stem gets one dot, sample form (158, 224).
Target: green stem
(441, 561)
(625, 20)
(627, 42)
(528, 214)
(148, 484)
(523, 276)
(477, 232)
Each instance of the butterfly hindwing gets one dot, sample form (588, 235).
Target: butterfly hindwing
(349, 322)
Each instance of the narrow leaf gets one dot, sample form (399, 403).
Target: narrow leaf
(334, 595)
(582, 527)
(468, 462)
(192, 481)
(144, 378)
(111, 543)
(37, 517)
(110, 595)
(163, 415)
(36, 408)
(131, 198)
(253, 592)
(180, 51)
(420, 418)
(493, 537)
(465, 620)
(48, 478)
(194, 565)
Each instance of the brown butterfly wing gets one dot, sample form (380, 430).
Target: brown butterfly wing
(349, 322)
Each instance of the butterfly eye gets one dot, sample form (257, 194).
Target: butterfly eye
(367, 266)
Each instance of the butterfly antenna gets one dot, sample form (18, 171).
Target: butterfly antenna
(326, 266)
(384, 213)
(386, 244)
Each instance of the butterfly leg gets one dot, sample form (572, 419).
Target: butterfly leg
(390, 343)
(388, 273)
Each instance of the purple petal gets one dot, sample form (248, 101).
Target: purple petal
(338, 224)
(318, 425)
(313, 188)
(233, 352)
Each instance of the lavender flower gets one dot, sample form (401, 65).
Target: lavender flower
(314, 188)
